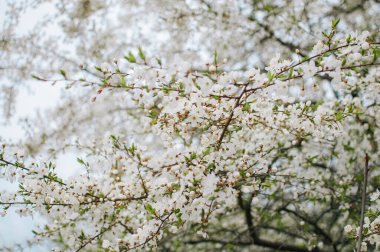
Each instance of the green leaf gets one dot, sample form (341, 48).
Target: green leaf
(150, 209)
(63, 73)
(349, 39)
(246, 107)
(132, 149)
(215, 58)
(98, 69)
(141, 54)
(268, 7)
(290, 72)
(376, 53)
(339, 115)
(335, 23)
(193, 155)
(80, 161)
(159, 61)
(131, 58)
(344, 62)
(115, 141)
(230, 247)
(37, 77)
(270, 76)
(266, 184)
(197, 85)
(82, 236)
(211, 167)
(207, 151)
(123, 83)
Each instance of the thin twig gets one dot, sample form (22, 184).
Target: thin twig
(364, 196)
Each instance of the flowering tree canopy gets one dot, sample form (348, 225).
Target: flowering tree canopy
(208, 125)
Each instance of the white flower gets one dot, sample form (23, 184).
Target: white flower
(310, 70)
(375, 195)
(105, 67)
(365, 46)
(320, 245)
(331, 62)
(203, 234)
(212, 69)
(247, 189)
(106, 244)
(348, 229)
(336, 78)
(355, 57)
(363, 37)
(364, 246)
(209, 184)
(320, 47)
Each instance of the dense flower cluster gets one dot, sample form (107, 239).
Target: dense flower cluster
(207, 155)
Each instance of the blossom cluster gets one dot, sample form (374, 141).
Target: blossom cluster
(223, 140)
(248, 128)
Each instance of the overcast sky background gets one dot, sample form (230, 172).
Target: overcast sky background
(34, 96)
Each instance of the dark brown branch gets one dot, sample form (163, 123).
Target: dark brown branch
(96, 236)
(317, 229)
(236, 243)
(237, 103)
(17, 165)
(364, 198)
(152, 236)
(257, 240)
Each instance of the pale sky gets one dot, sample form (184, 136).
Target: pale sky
(32, 97)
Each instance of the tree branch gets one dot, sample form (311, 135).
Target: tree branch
(364, 198)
